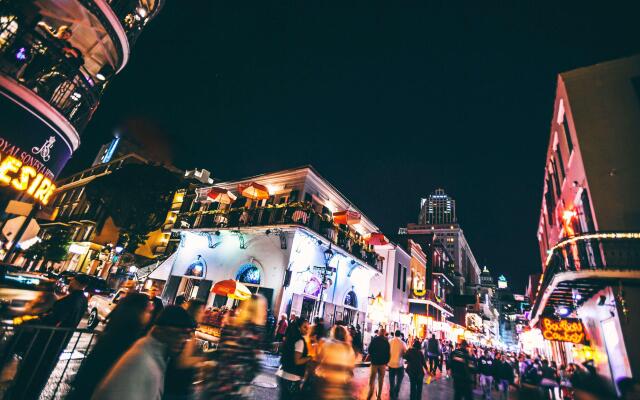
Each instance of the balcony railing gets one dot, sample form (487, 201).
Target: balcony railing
(592, 251)
(53, 71)
(133, 16)
(284, 214)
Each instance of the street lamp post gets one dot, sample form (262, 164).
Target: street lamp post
(326, 272)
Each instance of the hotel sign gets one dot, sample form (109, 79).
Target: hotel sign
(562, 330)
(25, 178)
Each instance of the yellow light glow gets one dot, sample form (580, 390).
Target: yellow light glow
(26, 180)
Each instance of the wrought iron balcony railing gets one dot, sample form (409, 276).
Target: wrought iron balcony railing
(284, 214)
(53, 71)
(600, 251)
(134, 15)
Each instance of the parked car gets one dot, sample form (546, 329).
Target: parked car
(96, 285)
(100, 306)
(19, 290)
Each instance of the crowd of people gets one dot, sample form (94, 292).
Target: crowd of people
(149, 350)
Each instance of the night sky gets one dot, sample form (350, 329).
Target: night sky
(387, 102)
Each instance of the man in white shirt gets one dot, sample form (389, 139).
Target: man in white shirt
(397, 348)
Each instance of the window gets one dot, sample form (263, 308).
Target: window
(567, 134)
(560, 162)
(399, 273)
(404, 279)
(550, 201)
(249, 273)
(556, 179)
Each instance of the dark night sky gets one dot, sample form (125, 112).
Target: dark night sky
(387, 102)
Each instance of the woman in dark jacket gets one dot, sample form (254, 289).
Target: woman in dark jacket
(416, 367)
(126, 324)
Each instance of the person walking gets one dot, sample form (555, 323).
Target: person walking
(46, 346)
(503, 375)
(295, 356)
(416, 369)
(486, 369)
(379, 354)
(238, 352)
(433, 354)
(336, 361)
(126, 324)
(461, 370)
(140, 372)
(397, 348)
(281, 328)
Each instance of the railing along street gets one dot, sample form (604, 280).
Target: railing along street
(31, 354)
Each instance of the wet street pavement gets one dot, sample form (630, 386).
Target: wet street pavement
(265, 386)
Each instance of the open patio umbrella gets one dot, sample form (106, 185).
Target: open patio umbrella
(347, 217)
(377, 239)
(231, 288)
(254, 191)
(221, 195)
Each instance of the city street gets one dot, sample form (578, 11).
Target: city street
(265, 386)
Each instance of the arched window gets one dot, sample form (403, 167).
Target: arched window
(351, 299)
(249, 273)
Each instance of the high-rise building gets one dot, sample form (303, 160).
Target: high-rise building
(589, 219)
(438, 208)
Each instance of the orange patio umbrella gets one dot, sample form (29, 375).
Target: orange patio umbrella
(377, 239)
(254, 191)
(221, 195)
(231, 288)
(347, 217)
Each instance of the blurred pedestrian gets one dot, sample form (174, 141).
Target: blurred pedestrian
(281, 328)
(416, 369)
(126, 324)
(433, 354)
(182, 369)
(336, 361)
(158, 304)
(295, 356)
(379, 353)
(461, 370)
(397, 348)
(140, 372)
(45, 348)
(237, 356)
(486, 370)
(503, 375)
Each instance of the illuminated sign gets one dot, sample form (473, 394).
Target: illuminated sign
(419, 287)
(562, 330)
(25, 178)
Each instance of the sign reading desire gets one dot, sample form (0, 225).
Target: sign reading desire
(25, 178)
(562, 330)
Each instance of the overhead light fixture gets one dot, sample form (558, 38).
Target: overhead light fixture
(563, 311)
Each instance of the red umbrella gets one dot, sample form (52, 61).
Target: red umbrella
(346, 217)
(231, 288)
(377, 239)
(220, 195)
(254, 191)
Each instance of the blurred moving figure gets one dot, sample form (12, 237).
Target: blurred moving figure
(126, 324)
(416, 368)
(396, 370)
(295, 357)
(238, 352)
(379, 352)
(336, 361)
(140, 372)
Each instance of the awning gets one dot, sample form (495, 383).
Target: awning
(162, 272)
(377, 239)
(220, 195)
(12, 226)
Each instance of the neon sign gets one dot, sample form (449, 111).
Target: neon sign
(25, 178)
(419, 287)
(563, 330)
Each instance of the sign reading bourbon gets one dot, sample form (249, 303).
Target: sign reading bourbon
(562, 329)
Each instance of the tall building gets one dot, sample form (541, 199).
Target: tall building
(437, 222)
(437, 209)
(56, 60)
(589, 219)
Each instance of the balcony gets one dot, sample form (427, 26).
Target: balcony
(134, 15)
(298, 213)
(53, 72)
(584, 264)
